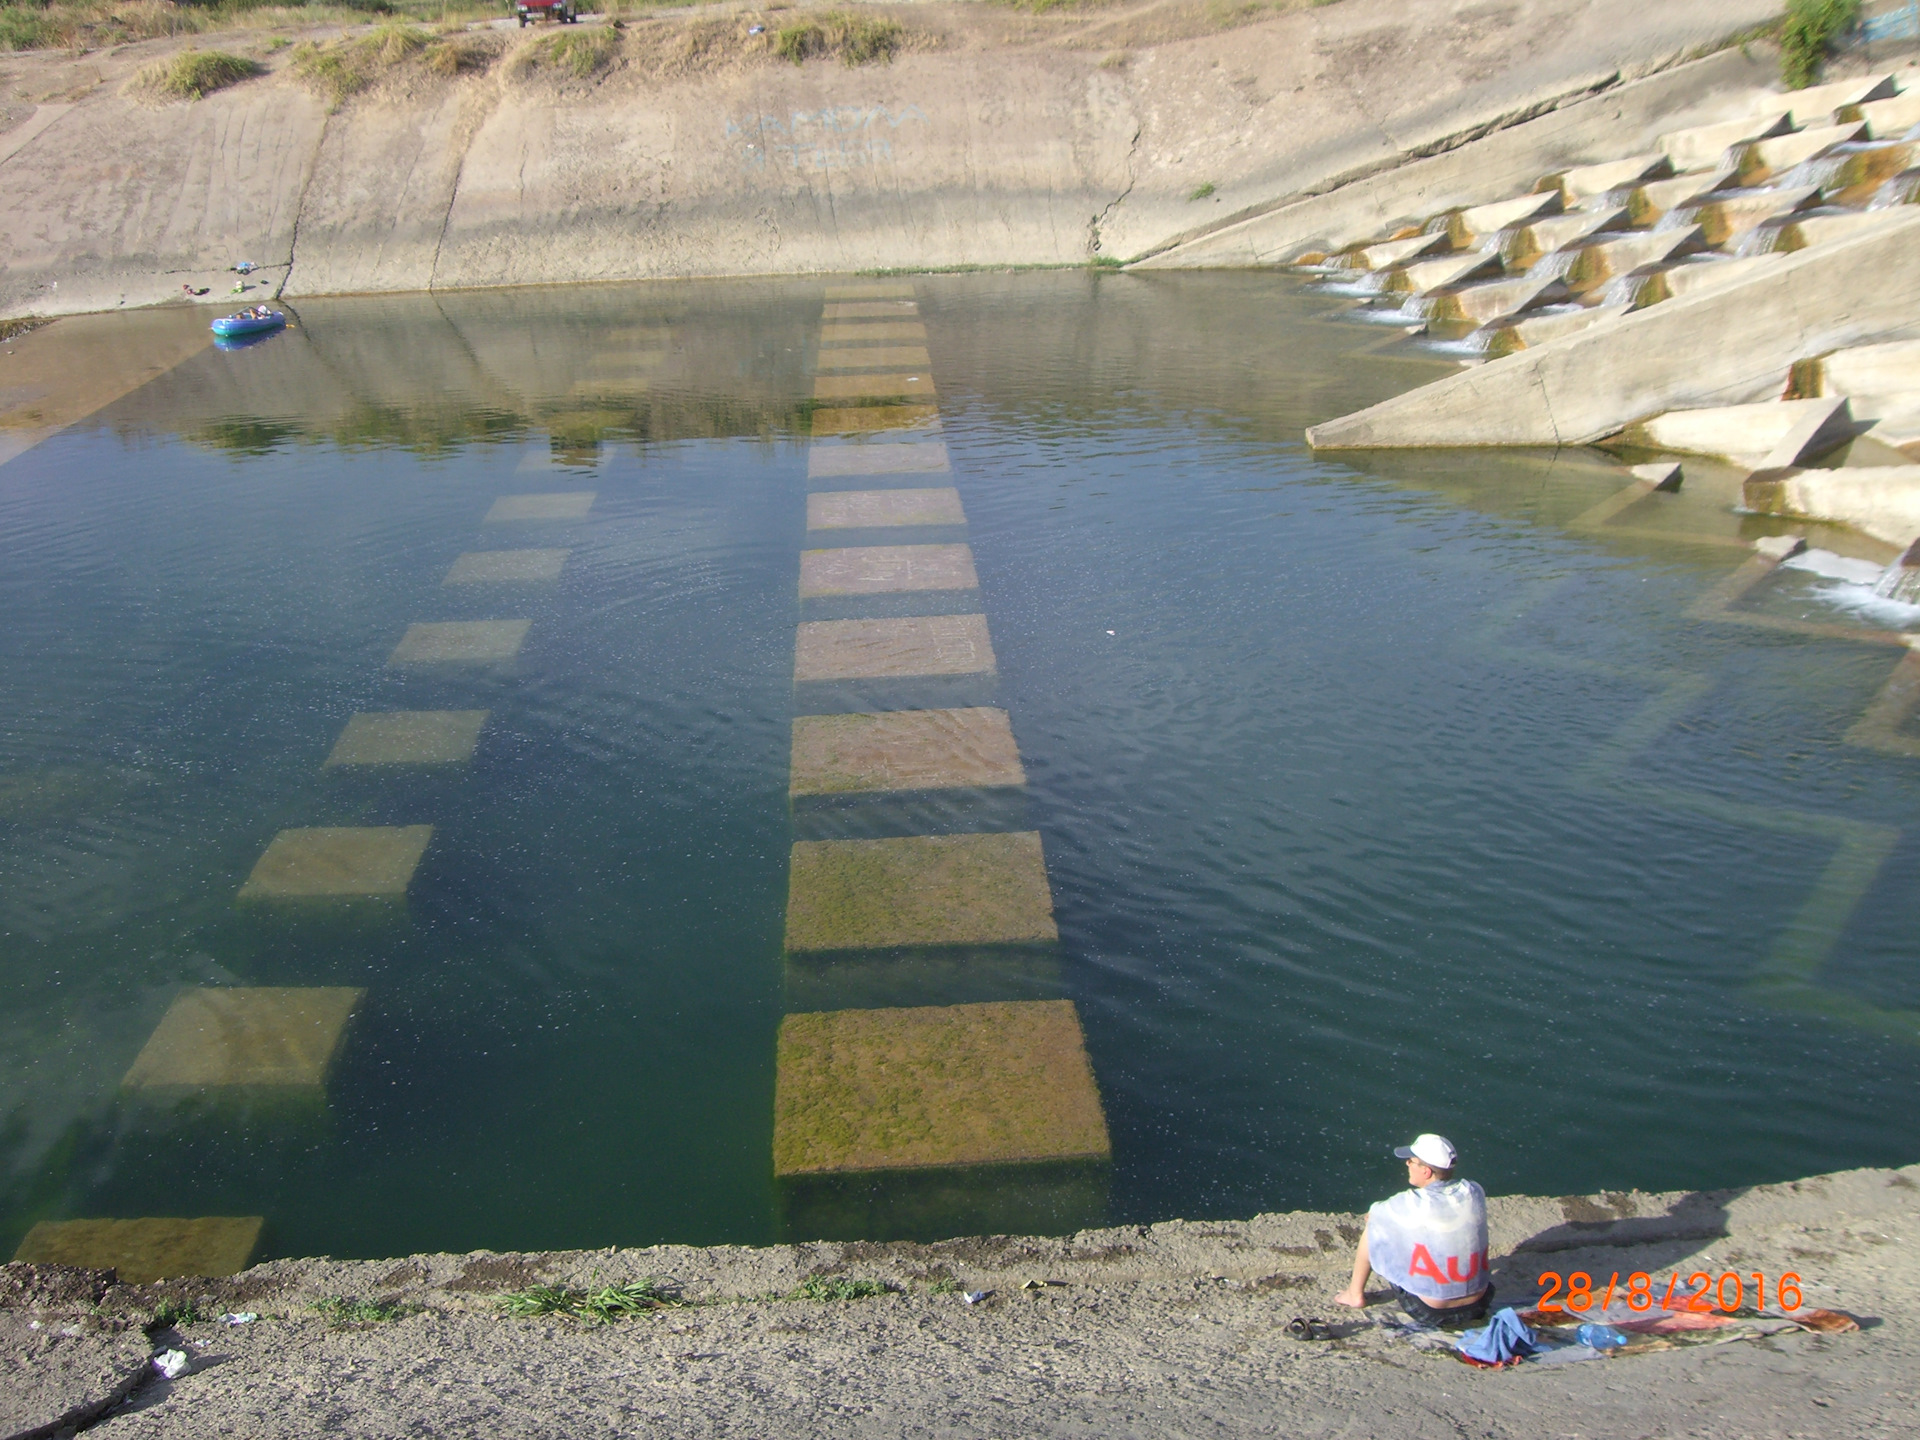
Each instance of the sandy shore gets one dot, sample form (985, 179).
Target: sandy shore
(1173, 1329)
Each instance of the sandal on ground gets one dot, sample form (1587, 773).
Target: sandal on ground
(1302, 1328)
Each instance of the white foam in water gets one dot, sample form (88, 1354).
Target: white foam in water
(1852, 589)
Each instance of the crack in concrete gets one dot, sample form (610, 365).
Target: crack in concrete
(1093, 225)
(300, 206)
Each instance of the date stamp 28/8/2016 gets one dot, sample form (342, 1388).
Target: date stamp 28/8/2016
(1700, 1293)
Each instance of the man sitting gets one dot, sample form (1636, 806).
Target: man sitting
(1429, 1242)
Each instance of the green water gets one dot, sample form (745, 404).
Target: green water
(1375, 797)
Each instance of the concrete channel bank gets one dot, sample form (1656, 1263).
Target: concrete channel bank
(1171, 1329)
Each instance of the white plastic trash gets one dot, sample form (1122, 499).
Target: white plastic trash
(171, 1363)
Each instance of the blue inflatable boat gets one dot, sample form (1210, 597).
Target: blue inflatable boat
(231, 327)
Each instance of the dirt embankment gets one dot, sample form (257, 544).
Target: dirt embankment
(1172, 1329)
(684, 145)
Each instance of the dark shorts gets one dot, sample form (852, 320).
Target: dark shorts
(1425, 1314)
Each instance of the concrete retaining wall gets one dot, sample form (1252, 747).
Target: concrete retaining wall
(1725, 346)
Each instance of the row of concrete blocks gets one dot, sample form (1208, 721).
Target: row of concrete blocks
(1581, 235)
(870, 1101)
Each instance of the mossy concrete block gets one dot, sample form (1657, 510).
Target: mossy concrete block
(460, 642)
(922, 458)
(886, 570)
(876, 419)
(892, 649)
(934, 1086)
(873, 357)
(903, 750)
(883, 509)
(868, 309)
(148, 1249)
(409, 737)
(863, 332)
(919, 890)
(268, 1036)
(873, 387)
(551, 505)
(506, 567)
(326, 862)
(872, 290)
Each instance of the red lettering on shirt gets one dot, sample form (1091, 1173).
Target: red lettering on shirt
(1422, 1264)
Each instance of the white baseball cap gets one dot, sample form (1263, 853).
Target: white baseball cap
(1435, 1151)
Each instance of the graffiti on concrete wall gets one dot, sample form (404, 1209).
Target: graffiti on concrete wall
(836, 138)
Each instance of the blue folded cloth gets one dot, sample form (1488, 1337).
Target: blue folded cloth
(1502, 1339)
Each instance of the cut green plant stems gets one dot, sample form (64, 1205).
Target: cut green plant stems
(595, 1307)
(354, 1310)
(837, 1287)
(175, 1312)
(193, 74)
(1807, 34)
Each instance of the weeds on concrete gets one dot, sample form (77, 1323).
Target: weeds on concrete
(856, 39)
(195, 74)
(576, 52)
(838, 1287)
(175, 1312)
(21, 325)
(82, 25)
(341, 1310)
(342, 69)
(595, 1307)
(1807, 34)
(1200, 192)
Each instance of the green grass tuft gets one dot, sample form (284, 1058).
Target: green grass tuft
(1201, 192)
(175, 1312)
(1807, 34)
(195, 74)
(575, 51)
(838, 1287)
(856, 39)
(353, 1310)
(595, 1307)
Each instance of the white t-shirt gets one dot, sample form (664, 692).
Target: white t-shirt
(1432, 1242)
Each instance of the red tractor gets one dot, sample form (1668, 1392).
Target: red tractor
(567, 12)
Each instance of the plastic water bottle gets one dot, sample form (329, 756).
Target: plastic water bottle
(1601, 1337)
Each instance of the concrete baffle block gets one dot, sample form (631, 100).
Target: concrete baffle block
(930, 1086)
(1477, 222)
(1383, 253)
(147, 1249)
(907, 421)
(506, 567)
(869, 310)
(1586, 182)
(919, 890)
(1816, 103)
(1701, 146)
(886, 570)
(1763, 159)
(873, 357)
(254, 1036)
(1770, 434)
(861, 332)
(926, 645)
(903, 750)
(883, 509)
(552, 505)
(872, 290)
(921, 458)
(409, 737)
(1424, 276)
(872, 387)
(460, 642)
(338, 862)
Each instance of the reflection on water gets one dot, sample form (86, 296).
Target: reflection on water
(1395, 794)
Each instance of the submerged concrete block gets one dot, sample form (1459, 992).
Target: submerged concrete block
(871, 387)
(865, 332)
(553, 505)
(869, 310)
(1771, 434)
(876, 419)
(409, 737)
(338, 862)
(1881, 382)
(903, 750)
(460, 642)
(506, 567)
(886, 570)
(883, 509)
(1883, 501)
(1706, 145)
(1004, 1083)
(148, 1249)
(916, 890)
(922, 458)
(872, 290)
(872, 357)
(926, 645)
(246, 1036)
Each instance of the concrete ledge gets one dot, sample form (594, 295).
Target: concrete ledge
(1731, 344)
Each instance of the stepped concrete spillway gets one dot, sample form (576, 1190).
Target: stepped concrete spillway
(993, 139)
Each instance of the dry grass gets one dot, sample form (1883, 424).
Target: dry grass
(342, 69)
(576, 52)
(195, 74)
(856, 39)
